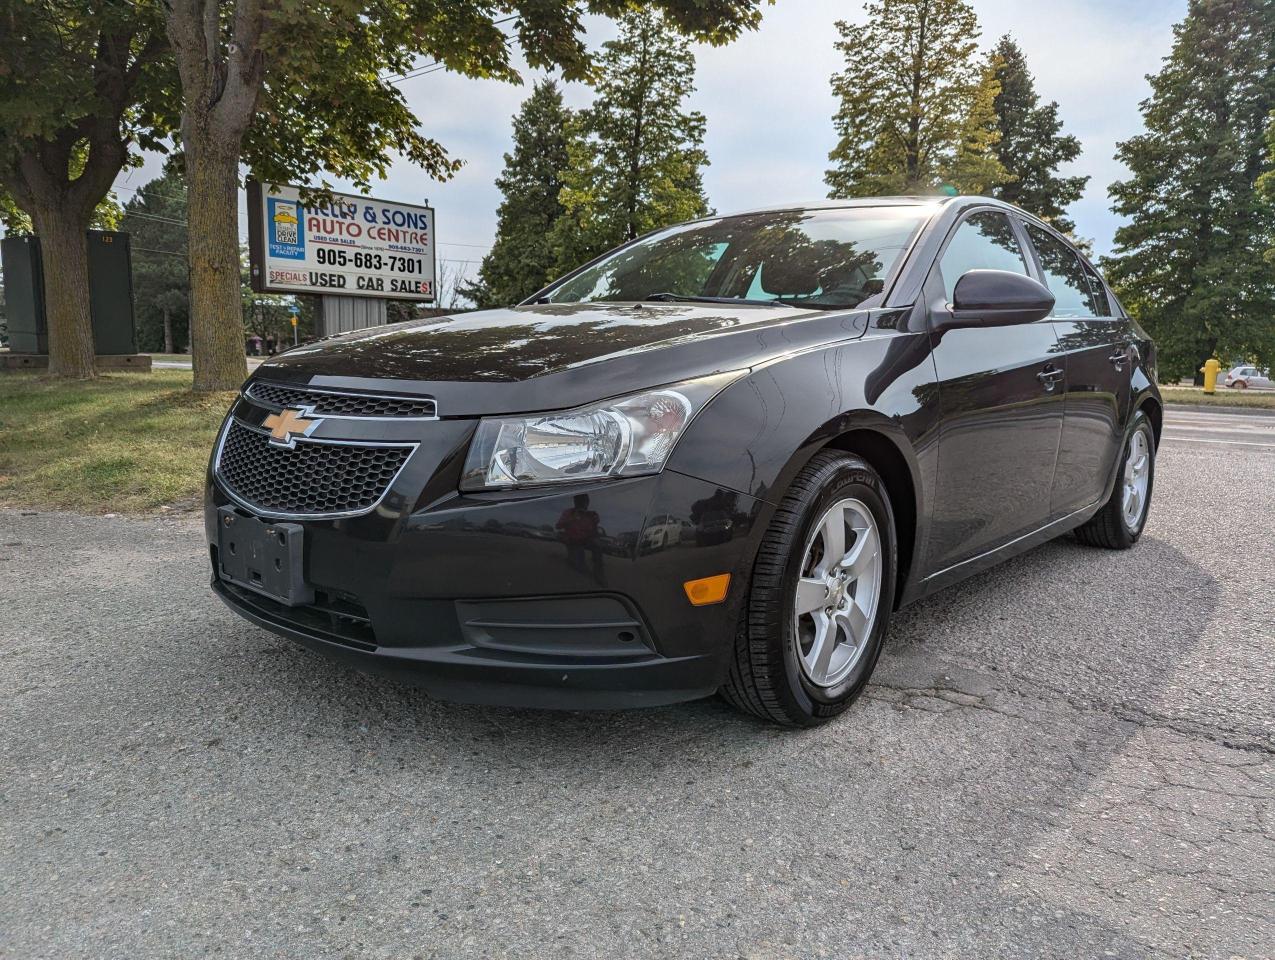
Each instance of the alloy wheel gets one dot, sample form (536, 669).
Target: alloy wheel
(838, 592)
(1137, 477)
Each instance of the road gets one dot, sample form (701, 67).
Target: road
(1070, 756)
(1221, 428)
(253, 363)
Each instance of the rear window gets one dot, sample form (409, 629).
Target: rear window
(1065, 276)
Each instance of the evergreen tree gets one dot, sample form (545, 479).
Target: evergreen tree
(635, 154)
(917, 107)
(1266, 182)
(1190, 262)
(155, 220)
(1032, 145)
(522, 259)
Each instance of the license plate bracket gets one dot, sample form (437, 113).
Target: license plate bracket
(267, 558)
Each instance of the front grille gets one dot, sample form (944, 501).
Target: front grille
(312, 478)
(328, 404)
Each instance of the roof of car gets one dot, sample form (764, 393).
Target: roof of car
(937, 202)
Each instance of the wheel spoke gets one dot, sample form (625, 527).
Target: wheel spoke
(812, 593)
(861, 555)
(834, 539)
(854, 620)
(820, 654)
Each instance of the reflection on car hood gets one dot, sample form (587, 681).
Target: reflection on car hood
(555, 355)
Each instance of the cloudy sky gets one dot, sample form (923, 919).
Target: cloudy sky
(768, 106)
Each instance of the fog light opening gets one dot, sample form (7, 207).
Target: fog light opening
(707, 590)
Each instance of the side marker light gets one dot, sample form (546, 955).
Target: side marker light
(707, 590)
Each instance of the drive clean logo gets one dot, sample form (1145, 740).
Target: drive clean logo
(286, 237)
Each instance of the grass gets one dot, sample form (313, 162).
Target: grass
(124, 443)
(1224, 397)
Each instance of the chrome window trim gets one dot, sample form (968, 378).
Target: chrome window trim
(259, 511)
(310, 411)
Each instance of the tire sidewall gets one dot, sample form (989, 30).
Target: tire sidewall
(846, 480)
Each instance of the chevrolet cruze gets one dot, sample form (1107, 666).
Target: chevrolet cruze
(715, 459)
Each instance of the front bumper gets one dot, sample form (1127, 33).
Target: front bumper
(568, 599)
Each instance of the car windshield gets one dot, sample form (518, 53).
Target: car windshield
(829, 259)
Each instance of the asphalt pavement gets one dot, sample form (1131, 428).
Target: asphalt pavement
(1072, 755)
(1223, 428)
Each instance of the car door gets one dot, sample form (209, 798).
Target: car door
(1096, 343)
(1000, 401)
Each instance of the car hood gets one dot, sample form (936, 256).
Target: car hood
(551, 356)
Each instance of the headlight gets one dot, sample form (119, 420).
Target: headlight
(626, 437)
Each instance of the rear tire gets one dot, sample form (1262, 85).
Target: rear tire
(1118, 525)
(777, 671)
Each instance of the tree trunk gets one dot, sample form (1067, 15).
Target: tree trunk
(216, 311)
(65, 255)
(168, 332)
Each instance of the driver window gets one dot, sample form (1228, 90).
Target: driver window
(983, 241)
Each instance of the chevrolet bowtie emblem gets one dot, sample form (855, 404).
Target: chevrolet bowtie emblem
(288, 424)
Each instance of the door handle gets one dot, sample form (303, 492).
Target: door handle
(1050, 376)
(1119, 358)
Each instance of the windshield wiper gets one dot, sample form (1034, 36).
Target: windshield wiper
(666, 297)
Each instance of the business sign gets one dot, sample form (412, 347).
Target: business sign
(353, 246)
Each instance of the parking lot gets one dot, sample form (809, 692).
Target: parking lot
(1072, 755)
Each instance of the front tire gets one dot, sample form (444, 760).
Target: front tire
(820, 597)
(1119, 524)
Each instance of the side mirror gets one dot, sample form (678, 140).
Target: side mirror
(998, 298)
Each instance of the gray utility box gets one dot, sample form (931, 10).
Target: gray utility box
(24, 294)
(110, 294)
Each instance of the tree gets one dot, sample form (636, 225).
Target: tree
(1032, 145)
(107, 215)
(916, 109)
(1189, 262)
(522, 259)
(635, 155)
(293, 90)
(1266, 182)
(81, 85)
(156, 222)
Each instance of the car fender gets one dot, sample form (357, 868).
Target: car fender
(756, 435)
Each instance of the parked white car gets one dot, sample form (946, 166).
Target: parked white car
(1241, 378)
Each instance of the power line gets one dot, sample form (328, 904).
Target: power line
(152, 216)
(161, 196)
(167, 253)
(435, 65)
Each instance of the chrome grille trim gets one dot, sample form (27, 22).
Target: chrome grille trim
(276, 396)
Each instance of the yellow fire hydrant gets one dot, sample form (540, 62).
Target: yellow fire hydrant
(1210, 371)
